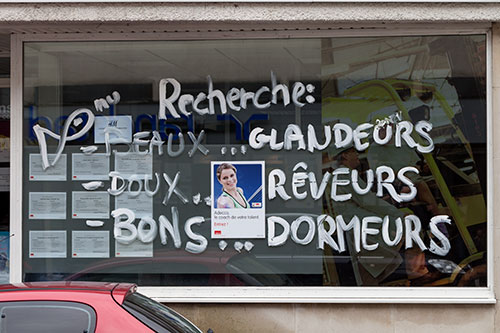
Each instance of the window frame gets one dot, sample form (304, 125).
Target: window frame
(422, 295)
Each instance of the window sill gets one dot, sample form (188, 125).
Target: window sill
(419, 295)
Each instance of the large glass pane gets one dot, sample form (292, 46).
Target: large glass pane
(283, 162)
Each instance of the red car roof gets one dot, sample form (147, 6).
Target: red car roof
(119, 290)
(104, 297)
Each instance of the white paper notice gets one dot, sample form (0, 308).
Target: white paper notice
(56, 172)
(238, 205)
(90, 244)
(238, 223)
(122, 123)
(90, 205)
(90, 167)
(47, 205)
(135, 249)
(141, 205)
(47, 244)
(128, 164)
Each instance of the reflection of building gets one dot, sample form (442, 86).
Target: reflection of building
(421, 65)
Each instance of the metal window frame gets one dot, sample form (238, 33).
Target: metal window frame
(449, 295)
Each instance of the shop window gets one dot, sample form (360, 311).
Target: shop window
(278, 162)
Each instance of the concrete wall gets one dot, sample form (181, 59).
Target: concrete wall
(223, 13)
(342, 318)
(298, 317)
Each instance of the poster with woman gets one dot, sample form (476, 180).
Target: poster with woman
(238, 208)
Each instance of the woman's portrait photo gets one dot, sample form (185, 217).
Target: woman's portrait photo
(237, 185)
(232, 196)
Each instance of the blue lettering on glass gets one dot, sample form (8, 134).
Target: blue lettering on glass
(245, 127)
(56, 126)
(162, 125)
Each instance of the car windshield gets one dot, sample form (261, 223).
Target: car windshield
(157, 316)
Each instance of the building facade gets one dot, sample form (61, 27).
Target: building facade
(260, 166)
